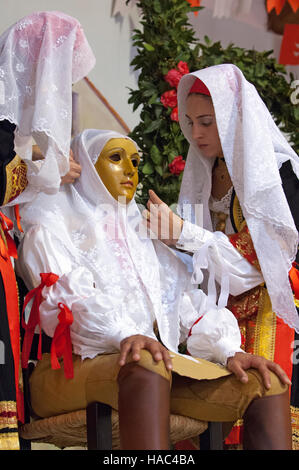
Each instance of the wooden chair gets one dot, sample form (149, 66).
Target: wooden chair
(97, 428)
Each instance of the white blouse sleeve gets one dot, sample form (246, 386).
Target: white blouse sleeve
(98, 325)
(213, 250)
(212, 333)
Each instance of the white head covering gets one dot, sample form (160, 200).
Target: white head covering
(254, 150)
(41, 56)
(105, 237)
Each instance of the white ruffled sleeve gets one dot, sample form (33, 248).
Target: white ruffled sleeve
(213, 251)
(212, 333)
(99, 325)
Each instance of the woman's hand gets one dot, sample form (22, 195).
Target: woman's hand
(162, 221)
(134, 344)
(240, 362)
(74, 171)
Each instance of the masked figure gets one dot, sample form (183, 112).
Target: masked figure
(112, 300)
(41, 56)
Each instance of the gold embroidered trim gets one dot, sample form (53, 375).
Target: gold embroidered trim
(2, 235)
(246, 305)
(8, 415)
(295, 427)
(237, 214)
(242, 241)
(16, 179)
(9, 441)
(264, 342)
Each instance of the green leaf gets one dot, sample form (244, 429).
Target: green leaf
(148, 47)
(147, 169)
(153, 126)
(159, 170)
(155, 155)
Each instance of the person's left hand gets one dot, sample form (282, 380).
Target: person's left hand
(162, 221)
(74, 171)
(240, 362)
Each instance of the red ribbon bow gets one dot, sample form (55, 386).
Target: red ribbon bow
(48, 279)
(61, 344)
(11, 250)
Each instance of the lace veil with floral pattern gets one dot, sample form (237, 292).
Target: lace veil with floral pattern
(254, 150)
(41, 56)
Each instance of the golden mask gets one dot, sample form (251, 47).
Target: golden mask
(117, 167)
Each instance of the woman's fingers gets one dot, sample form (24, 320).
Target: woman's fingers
(280, 373)
(125, 348)
(134, 344)
(154, 198)
(237, 369)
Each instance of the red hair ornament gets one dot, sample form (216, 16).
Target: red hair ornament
(199, 87)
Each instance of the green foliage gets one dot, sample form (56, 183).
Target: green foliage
(166, 39)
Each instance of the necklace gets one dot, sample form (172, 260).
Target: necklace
(221, 184)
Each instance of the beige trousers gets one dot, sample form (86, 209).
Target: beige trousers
(223, 399)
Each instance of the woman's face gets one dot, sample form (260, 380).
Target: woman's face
(117, 167)
(201, 117)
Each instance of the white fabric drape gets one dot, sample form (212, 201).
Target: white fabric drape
(114, 278)
(254, 150)
(41, 56)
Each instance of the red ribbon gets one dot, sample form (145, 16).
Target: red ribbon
(18, 217)
(190, 332)
(61, 344)
(294, 280)
(47, 279)
(11, 250)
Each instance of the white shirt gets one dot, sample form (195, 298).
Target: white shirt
(102, 319)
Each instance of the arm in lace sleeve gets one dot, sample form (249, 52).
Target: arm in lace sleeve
(212, 333)
(100, 321)
(243, 275)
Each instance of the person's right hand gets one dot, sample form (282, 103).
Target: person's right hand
(74, 171)
(134, 344)
(162, 221)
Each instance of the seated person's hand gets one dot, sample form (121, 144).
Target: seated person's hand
(240, 362)
(134, 344)
(74, 172)
(162, 220)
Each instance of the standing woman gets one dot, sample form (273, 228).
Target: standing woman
(243, 174)
(41, 56)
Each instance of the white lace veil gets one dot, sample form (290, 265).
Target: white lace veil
(41, 56)
(254, 150)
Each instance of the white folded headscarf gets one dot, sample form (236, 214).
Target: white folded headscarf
(254, 150)
(41, 56)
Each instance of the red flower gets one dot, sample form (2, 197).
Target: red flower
(169, 99)
(173, 77)
(174, 114)
(183, 67)
(177, 165)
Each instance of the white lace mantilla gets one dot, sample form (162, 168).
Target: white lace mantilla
(41, 56)
(253, 149)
